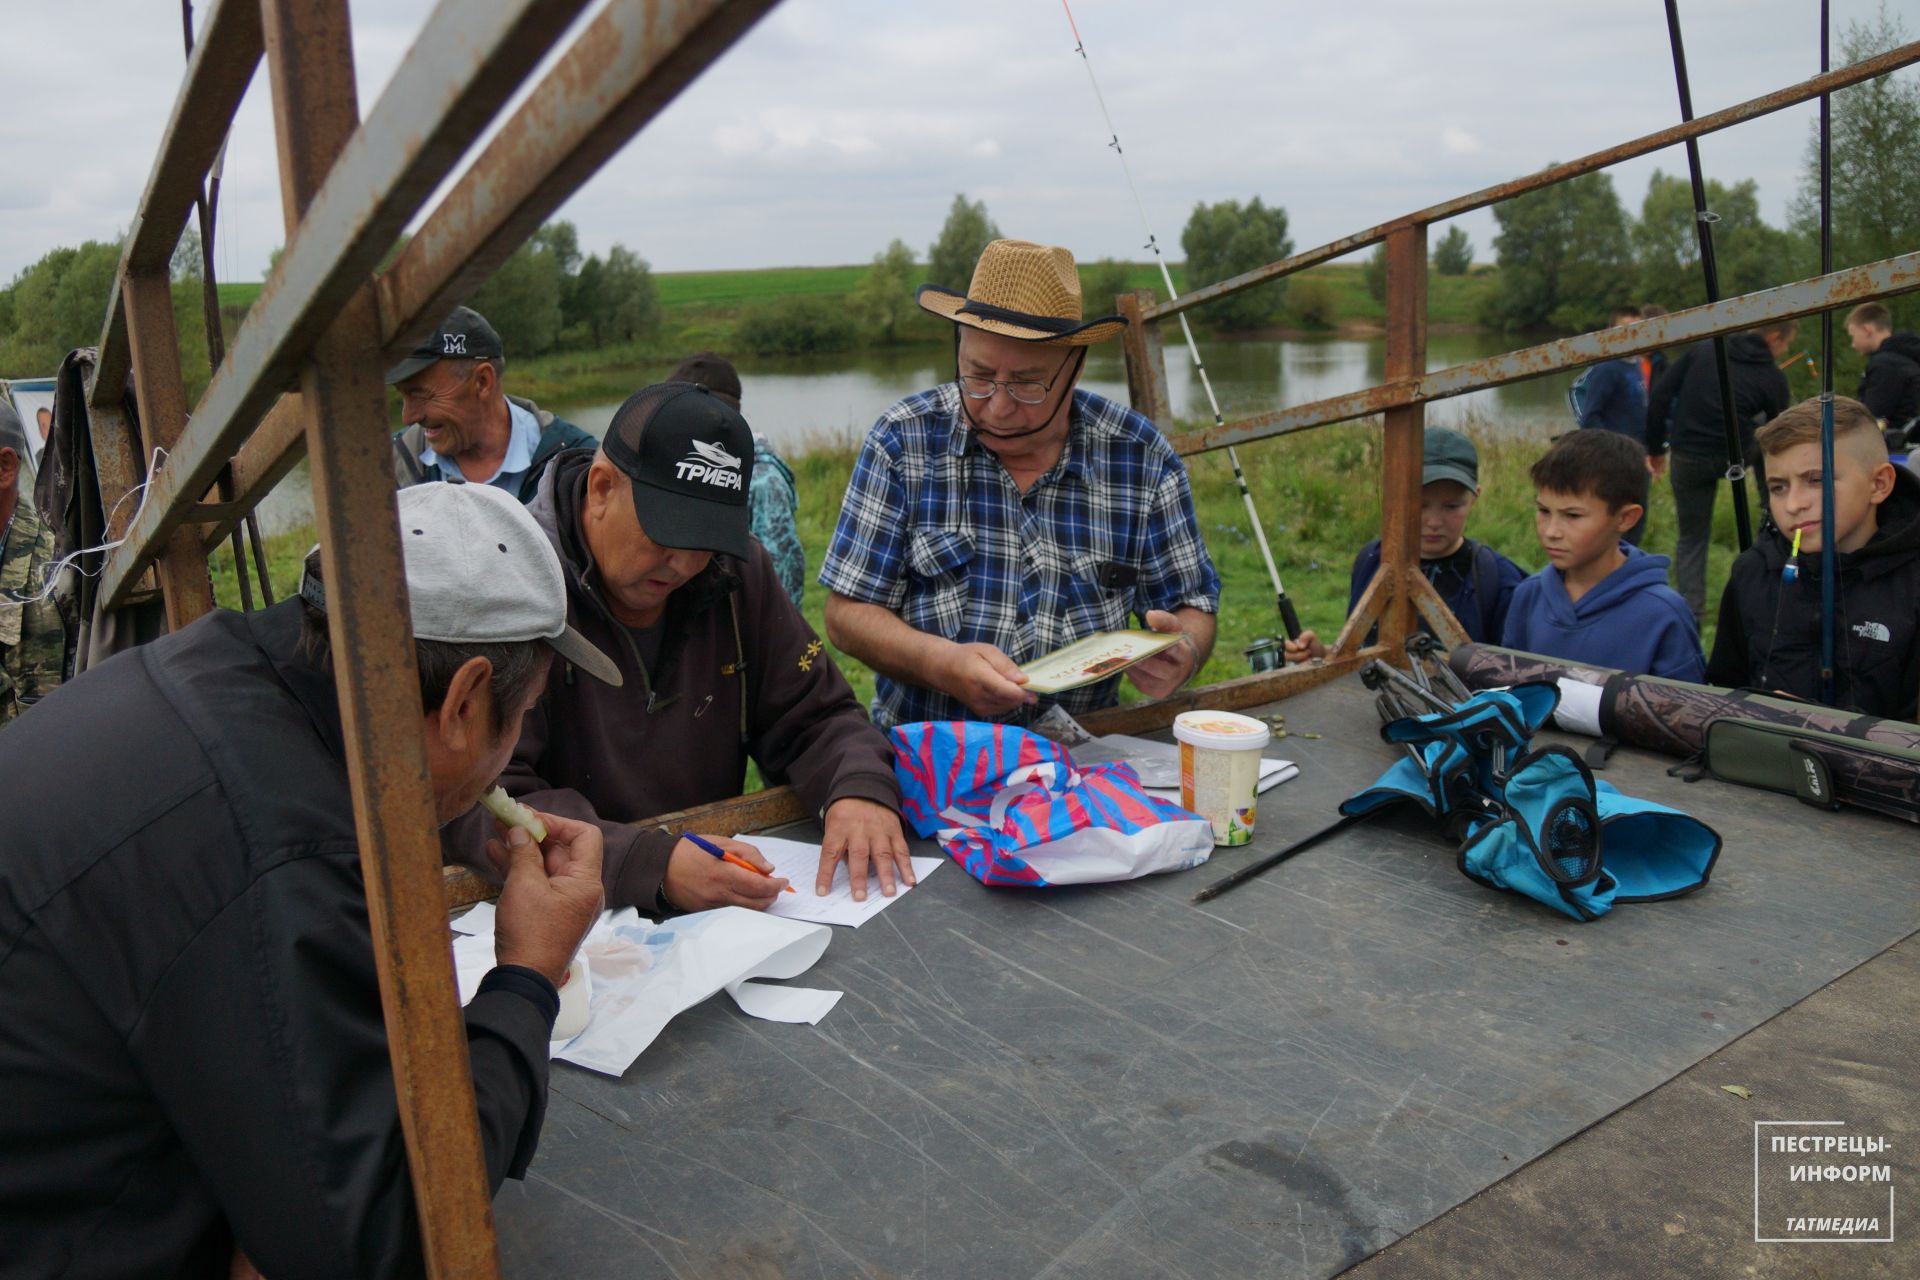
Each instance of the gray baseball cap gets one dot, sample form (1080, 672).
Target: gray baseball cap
(1450, 456)
(463, 335)
(480, 571)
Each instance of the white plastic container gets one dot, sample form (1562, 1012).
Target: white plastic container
(575, 994)
(1220, 769)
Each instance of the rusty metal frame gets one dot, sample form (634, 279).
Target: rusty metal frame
(303, 375)
(1399, 597)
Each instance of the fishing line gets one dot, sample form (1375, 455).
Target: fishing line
(50, 580)
(1829, 554)
(1288, 618)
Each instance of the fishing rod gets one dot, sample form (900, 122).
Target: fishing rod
(1289, 620)
(1703, 221)
(1829, 554)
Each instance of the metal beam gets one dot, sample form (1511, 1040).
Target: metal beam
(466, 63)
(1403, 432)
(222, 65)
(1752, 109)
(316, 110)
(154, 345)
(1788, 301)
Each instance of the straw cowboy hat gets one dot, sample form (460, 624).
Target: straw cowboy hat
(1026, 291)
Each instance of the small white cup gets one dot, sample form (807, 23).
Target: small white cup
(1220, 769)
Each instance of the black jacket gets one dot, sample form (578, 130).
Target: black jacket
(191, 1043)
(1769, 634)
(1683, 409)
(1890, 388)
(739, 675)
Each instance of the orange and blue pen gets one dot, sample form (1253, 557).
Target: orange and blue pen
(724, 856)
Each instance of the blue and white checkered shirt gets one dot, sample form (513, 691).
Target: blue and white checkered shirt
(935, 530)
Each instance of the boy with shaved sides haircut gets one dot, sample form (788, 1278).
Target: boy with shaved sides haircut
(1770, 628)
(1600, 600)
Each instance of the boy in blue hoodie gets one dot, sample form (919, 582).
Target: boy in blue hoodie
(1600, 600)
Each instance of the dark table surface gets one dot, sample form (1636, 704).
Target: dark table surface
(1110, 1081)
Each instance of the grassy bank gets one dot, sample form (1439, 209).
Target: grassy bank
(1316, 495)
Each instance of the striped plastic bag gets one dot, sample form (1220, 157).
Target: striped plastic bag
(1010, 807)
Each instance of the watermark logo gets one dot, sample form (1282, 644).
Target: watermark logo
(1816, 1182)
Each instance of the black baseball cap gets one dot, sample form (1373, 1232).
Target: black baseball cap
(463, 335)
(711, 370)
(690, 456)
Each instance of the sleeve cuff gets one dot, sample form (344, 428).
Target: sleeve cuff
(526, 983)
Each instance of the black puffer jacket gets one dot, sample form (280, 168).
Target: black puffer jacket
(1683, 409)
(1769, 635)
(1890, 388)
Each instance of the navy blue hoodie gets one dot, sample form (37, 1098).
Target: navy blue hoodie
(1631, 620)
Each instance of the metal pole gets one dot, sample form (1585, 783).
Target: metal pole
(1703, 221)
(1829, 554)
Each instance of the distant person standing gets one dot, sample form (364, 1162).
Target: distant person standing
(1890, 388)
(460, 425)
(1684, 413)
(33, 640)
(44, 416)
(772, 494)
(1612, 396)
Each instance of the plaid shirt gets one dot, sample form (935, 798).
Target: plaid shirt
(935, 530)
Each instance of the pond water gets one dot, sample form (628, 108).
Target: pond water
(802, 403)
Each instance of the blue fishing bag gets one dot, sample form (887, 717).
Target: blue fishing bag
(1540, 825)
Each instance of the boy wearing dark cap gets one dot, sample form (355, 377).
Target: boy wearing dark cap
(1476, 581)
(460, 425)
(718, 665)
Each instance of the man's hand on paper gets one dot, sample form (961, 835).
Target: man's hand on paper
(1170, 668)
(866, 835)
(985, 679)
(696, 880)
(552, 894)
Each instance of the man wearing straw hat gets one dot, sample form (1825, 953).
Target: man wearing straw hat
(1005, 514)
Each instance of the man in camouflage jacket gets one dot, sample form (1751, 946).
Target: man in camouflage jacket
(32, 638)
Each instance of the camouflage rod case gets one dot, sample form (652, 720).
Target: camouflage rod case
(1743, 736)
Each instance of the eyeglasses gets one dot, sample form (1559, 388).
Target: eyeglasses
(1023, 391)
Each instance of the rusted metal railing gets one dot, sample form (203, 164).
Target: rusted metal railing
(1400, 590)
(303, 376)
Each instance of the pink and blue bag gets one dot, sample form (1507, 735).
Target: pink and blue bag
(1010, 807)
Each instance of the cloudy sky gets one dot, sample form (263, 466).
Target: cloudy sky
(837, 125)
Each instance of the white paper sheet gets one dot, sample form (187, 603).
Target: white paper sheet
(799, 862)
(477, 920)
(1579, 709)
(1158, 763)
(644, 973)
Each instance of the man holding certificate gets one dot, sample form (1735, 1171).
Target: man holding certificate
(1005, 515)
